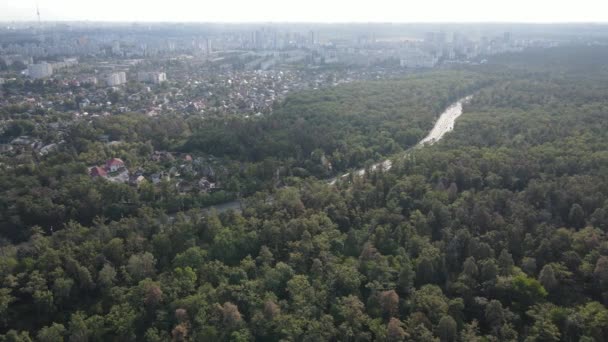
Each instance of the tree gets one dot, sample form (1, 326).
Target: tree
(231, 316)
(154, 335)
(53, 333)
(389, 301)
(15, 336)
(525, 291)
(121, 321)
(153, 294)
(547, 278)
(395, 331)
(180, 332)
(431, 301)
(469, 268)
(106, 276)
(406, 277)
(489, 270)
(505, 262)
(595, 318)
(425, 272)
(351, 311)
(141, 266)
(114, 250)
(193, 257)
(494, 314)
(528, 265)
(576, 216)
(447, 329)
(470, 332)
(601, 272)
(543, 330)
(289, 199)
(77, 329)
(302, 296)
(271, 310)
(6, 299)
(62, 288)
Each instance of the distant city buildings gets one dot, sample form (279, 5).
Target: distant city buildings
(152, 77)
(116, 78)
(418, 59)
(40, 70)
(66, 63)
(88, 80)
(45, 69)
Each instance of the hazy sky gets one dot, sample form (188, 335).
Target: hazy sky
(310, 10)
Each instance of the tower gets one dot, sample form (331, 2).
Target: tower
(40, 31)
(38, 15)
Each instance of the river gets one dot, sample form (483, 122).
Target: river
(443, 125)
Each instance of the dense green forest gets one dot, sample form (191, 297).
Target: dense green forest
(497, 233)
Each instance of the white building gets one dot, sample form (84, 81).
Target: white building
(66, 63)
(40, 70)
(418, 59)
(152, 77)
(116, 78)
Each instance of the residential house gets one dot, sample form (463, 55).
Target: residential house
(136, 180)
(97, 171)
(114, 164)
(205, 185)
(159, 177)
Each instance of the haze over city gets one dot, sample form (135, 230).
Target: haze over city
(543, 11)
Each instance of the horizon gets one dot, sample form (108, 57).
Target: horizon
(312, 11)
(261, 22)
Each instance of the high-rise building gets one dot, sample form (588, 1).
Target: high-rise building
(152, 77)
(208, 45)
(116, 48)
(116, 78)
(40, 70)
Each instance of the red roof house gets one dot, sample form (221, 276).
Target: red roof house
(97, 171)
(114, 164)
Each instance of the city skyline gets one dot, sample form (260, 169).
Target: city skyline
(340, 11)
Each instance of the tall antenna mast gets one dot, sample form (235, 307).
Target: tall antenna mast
(40, 31)
(38, 14)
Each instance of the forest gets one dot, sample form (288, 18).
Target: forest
(496, 233)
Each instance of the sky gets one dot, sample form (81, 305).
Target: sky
(541, 11)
